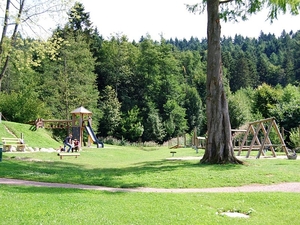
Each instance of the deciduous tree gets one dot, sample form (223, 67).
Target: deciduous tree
(22, 13)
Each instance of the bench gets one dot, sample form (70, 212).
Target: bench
(61, 154)
(173, 152)
(8, 143)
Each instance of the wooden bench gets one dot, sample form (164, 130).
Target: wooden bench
(173, 152)
(8, 143)
(61, 154)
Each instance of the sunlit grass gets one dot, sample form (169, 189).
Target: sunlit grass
(40, 205)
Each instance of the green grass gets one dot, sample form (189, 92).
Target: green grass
(120, 166)
(40, 205)
(40, 138)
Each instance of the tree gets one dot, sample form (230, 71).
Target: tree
(79, 20)
(219, 147)
(111, 114)
(194, 109)
(115, 62)
(17, 14)
(154, 129)
(131, 126)
(71, 77)
(20, 96)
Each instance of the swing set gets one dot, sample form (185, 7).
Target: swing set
(262, 128)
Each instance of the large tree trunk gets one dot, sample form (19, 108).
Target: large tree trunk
(219, 147)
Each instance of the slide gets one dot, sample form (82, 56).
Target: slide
(90, 131)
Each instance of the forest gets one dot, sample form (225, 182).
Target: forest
(148, 90)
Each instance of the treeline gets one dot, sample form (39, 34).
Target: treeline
(148, 90)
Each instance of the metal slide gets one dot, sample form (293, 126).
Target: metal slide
(90, 131)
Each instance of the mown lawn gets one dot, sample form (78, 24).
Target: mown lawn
(123, 166)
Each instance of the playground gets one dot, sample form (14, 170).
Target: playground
(25, 138)
(164, 188)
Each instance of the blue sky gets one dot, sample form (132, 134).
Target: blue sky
(136, 18)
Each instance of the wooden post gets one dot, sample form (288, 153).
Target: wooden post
(253, 139)
(195, 137)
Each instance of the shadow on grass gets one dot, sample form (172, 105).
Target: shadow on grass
(66, 172)
(17, 189)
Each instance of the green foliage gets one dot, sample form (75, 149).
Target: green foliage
(131, 126)
(265, 99)
(194, 109)
(71, 78)
(154, 129)
(109, 106)
(22, 107)
(295, 137)
(242, 10)
(240, 107)
(79, 20)
(175, 123)
(290, 93)
(243, 73)
(117, 59)
(287, 110)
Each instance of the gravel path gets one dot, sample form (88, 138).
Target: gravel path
(283, 187)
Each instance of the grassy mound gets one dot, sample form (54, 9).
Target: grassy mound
(40, 138)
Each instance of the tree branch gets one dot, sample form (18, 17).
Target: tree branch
(225, 1)
(5, 25)
(13, 37)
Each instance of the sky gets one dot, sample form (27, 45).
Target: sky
(170, 19)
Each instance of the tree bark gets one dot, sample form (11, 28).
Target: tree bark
(219, 149)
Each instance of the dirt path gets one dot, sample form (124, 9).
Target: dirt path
(283, 187)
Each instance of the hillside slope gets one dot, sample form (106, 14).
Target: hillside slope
(40, 138)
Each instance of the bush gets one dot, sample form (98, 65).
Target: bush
(295, 138)
(21, 108)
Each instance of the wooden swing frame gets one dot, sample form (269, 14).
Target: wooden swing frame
(265, 127)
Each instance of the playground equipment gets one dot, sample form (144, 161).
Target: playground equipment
(178, 142)
(81, 120)
(262, 128)
(197, 141)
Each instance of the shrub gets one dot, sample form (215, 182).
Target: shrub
(295, 137)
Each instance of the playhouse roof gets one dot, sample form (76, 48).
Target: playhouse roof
(81, 110)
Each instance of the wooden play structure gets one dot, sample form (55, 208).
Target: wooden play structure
(261, 129)
(52, 124)
(81, 120)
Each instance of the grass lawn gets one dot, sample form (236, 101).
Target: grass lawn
(39, 205)
(121, 166)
